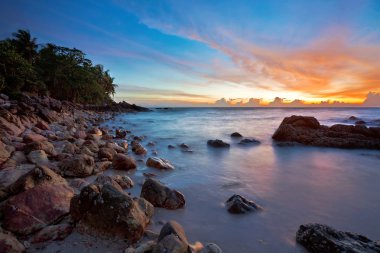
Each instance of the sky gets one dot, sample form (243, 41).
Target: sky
(218, 53)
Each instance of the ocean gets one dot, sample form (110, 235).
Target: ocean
(294, 184)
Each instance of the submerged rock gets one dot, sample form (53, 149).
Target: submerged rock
(318, 238)
(109, 210)
(36, 208)
(249, 142)
(123, 162)
(238, 204)
(236, 135)
(161, 196)
(308, 131)
(218, 144)
(159, 163)
(211, 248)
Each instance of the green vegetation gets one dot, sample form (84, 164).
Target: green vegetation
(60, 72)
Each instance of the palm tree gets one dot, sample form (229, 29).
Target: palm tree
(25, 44)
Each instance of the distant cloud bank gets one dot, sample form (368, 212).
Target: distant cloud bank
(372, 100)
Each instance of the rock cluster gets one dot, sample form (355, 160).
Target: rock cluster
(308, 131)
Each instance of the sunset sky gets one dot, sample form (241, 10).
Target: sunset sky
(197, 52)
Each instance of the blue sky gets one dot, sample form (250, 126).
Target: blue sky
(186, 52)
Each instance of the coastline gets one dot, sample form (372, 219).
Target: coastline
(86, 134)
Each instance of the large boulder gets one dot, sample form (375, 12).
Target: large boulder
(308, 131)
(109, 210)
(218, 144)
(77, 166)
(10, 244)
(123, 162)
(161, 196)
(172, 239)
(37, 176)
(317, 238)
(238, 204)
(159, 163)
(36, 208)
(4, 153)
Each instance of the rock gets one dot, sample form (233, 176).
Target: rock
(116, 147)
(159, 163)
(353, 118)
(10, 175)
(124, 145)
(142, 248)
(77, 166)
(238, 204)
(96, 131)
(120, 134)
(70, 148)
(249, 142)
(236, 135)
(171, 147)
(360, 122)
(10, 244)
(37, 176)
(79, 134)
(211, 248)
(16, 159)
(317, 238)
(32, 137)
(111, 211)
(38, 157)
(218, 144)
(41, 145)
(161, 196)
(36, 208)
(53, 233)
(42, 125)
(138, 149)
(123, 162)
(4, 153)
(91, 145)
(106, 153)
(124, 182)
(172, 239)
(308, 131)
(184, 145)
(86, 151)
(151, 144)
(78, 183)
(102, 166)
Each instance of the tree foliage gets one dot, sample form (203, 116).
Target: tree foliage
(61, 72)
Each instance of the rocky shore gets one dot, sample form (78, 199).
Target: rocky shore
(308, 131)
(53, 182)
(49, 150)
